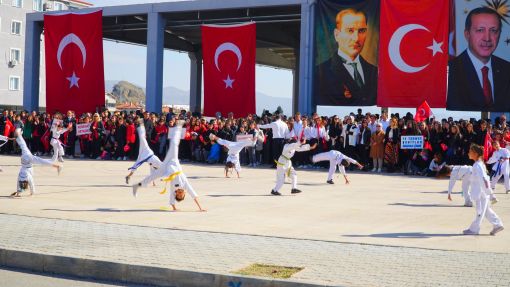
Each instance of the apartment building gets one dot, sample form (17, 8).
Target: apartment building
(12, 43)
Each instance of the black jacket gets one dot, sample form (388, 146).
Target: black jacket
(465, 93)
(333, 79)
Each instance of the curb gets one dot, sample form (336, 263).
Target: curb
(134, 274)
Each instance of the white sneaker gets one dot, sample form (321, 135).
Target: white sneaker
(469, 232)
(60, 159)
(374, 169)
(496, 230)
(135, 190)
(379, 170)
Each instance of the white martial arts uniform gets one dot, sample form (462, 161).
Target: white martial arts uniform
(501, 167)
(58, 148)
(234, 148)
(26, 172)
(461, 172)
(480, 195)
(3, 140)
(284, 164)
(335, 159)
(171, 169)
(145, 153)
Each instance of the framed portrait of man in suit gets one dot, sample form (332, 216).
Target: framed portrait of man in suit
(346, 53)
(479, 77)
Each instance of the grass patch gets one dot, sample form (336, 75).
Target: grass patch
(272, 271)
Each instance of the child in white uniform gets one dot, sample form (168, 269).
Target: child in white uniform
(501, 167)
(145, 154)
(26, 172)
(58, 148)
(480, 190)
(234, 148)
(335, 159)
(171, 171)
(458, 172)
(3, 140)
(284, 165)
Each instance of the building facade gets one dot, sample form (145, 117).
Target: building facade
(12, 47)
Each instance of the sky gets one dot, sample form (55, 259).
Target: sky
(127, 62)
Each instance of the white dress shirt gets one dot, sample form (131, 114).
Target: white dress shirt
(279, 128)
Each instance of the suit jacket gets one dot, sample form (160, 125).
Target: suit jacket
(366, 136)
(332, 79)
(465, 93)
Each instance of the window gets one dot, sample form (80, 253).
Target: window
(17, 3)
(16, 54)
(37, 5)
(16, 27)
(58, 6)
(14, 83)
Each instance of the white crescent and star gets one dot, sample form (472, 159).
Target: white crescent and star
(422, 111)
(394, 48)
(66, 40)
(228, 46)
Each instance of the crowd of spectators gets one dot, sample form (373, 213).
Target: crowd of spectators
(372, 139)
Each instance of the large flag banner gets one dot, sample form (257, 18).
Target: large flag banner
(413, 53)
(74, 62)
(479, 77)
(452, 42)
(346, 42)
(229, 69)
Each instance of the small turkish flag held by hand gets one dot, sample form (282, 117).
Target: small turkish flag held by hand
(229, 69)
(74, 62)
(423, 112)
(413, 53)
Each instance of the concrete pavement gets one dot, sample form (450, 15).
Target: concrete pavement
(325, 263)
(89, 213)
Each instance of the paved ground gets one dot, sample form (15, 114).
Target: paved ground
(324, 262)
(22, 278)
(88, 212)
(377, 209)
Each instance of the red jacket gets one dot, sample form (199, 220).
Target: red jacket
(130, 133)
(9, 128)
(160, 129)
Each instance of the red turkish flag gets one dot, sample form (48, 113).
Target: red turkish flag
(229, 69)
(422, 112)
(413, 53)
(74, 62)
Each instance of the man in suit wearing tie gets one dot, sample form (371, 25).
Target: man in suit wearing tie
(346, 78)
(477, 79)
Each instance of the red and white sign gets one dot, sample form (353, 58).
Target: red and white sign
(229, 69)
(74, 62)
(413, 53)
(83, 129)
(243, 138)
